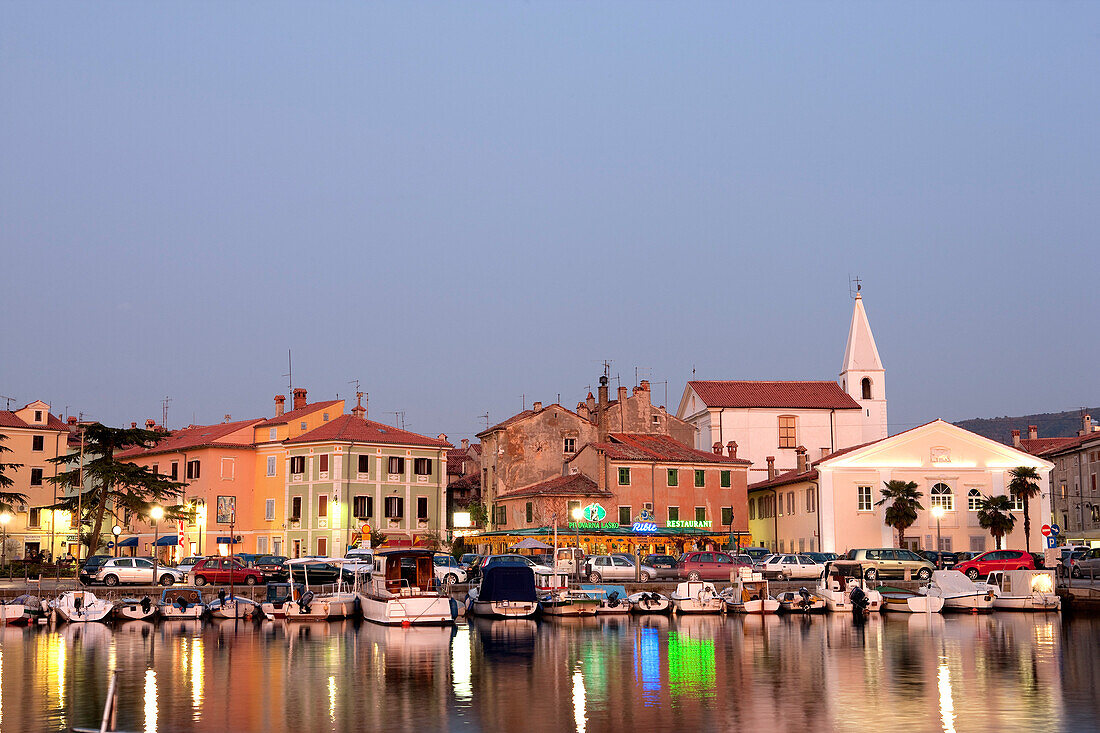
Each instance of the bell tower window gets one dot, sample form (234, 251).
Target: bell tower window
(866, 388)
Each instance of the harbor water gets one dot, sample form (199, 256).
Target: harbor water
(1003, 671)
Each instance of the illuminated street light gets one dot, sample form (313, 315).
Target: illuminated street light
(157, 513)
(116, 531)
(5, 517)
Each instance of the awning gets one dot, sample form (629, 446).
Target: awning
(226, 541)
(168, 539)
(128, 542)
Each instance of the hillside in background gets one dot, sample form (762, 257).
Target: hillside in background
(1051, 424)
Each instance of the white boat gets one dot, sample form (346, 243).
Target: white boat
(899, 600)
(81, 605)
(12, 612)
(696, 596)
(505, 591)
(181, 603)
(1023, 590)
(320, 604)
(844, 591)
(649, 601)
(749, 594)
(613, 599)
(556, 598)
(402, 590)
(959, 593)
(226, 606)
(136, 609)
(274, 605)
(802, 601)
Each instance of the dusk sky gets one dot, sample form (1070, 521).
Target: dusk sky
(460, 204)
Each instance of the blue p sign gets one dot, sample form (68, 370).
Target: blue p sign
(1051, 541)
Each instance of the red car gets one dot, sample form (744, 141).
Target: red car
(708, 565)
(983, 564)
(223, 571)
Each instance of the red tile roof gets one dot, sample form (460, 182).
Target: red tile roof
(774, 394)
(1041, 446)
(8, 419)
(576, 484)
(790, 477)
(286, 417)
(359, 430)
(524, 415)
(196, 436)
(663, 448)
(456, 457)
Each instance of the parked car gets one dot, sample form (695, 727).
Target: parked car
(360, 560)
(821, 557)
(1040, 561)
(223, 571)
(782, 567)
(891, 562)
(756, 553)
(599, 568)
(447, 569)
(666, 566)
(273, 567)
(987, 562)
(758, 566)
(468, 559)
(707, 565)
(318, 571)
(1088, 564)
(139, 570)
(187, 563)
(90, 567)
(942, 560)
(516, 559)
(1068, 556)
(964, 556)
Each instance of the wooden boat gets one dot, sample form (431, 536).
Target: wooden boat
(958, 592)
(320, 604)
(274, 605)
(694, 596)
(899, 600)
(81, 605)
(505, 591)
(136, 609)
(402, 590)
(556, 598)
(844, 591)
(12, 612)
(181, 603)
(1023, 590)
(802, 601)
(613, 599)
(649, 601)
(227, 606)
(749, 594)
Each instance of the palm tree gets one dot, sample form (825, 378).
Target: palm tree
(1025, 486)
(995, 514)
(904, 502)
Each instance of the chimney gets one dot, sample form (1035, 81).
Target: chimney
(771, 467)
(280, 404)
(732, 448)
(1015, 438)
(359, 411)
(590, 403)
(800, 458)
(644, 385)
(601, 417)
(150, 424)
(465, 444)
(442, 436)
(536, 406)
(228, 417)
(299, 398)
(622, 393)
(582, 411)
(73, 422)
(1086, 424)
(1032, 432)
(716, 448)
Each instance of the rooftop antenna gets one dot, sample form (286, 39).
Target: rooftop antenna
(854, 286)
(398, 414)
(486, 416)
(523, 401)
(164, 411)
(356, 383)
(290, 371)
(9, 399)
(666, 391)
(693, 371)
(607, 368)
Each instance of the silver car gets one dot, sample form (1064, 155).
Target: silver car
(1088, 565)
(136, 570)
(615, 567)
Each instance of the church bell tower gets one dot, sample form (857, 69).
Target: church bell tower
(863, 376)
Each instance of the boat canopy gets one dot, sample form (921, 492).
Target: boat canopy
(952, 582)
(507, 583)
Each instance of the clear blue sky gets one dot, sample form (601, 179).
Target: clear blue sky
(462, 203)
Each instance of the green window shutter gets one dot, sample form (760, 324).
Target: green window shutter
(725, 481)
(700, 478)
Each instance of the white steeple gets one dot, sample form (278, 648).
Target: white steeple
(863, 376)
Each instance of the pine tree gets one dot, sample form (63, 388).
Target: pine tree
(9, 500)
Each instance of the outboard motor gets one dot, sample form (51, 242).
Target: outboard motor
(78, 602)
(146, 604)
(613, 599)
(181, 602)
(859, 599)
(305, 600)
(805, 602)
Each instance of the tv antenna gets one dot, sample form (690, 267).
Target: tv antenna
(9, 399)
(486, 416)
(398, 414)
(290, 371)
(854, 286)
(164, 411)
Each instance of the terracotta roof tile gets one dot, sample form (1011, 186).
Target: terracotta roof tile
(8, 419)
(350, 427)
(663, 448)
(286, 417)
(1040, 446)
(790, 477)
(524, 415)
(776, 394)
(576, 484)
(195, 436)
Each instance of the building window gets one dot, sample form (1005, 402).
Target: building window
(864, 494)
(529, 512)
(674, 514)
(261, 545)
(941, 496)
(302, 425)
(269, 510)
(175, 473)
(36, 477)
(811, 500)
(324, 417)
(34, 517)
(787, 437)
(790, 502)
(752, 509)
(155, 468)
(725, 479)
(501, 515)
(322, 546)
(422, 508)
(1063, 491)
(977, 543)
(364, 464)
(700, 478)
(625, 516)
(727, 516)
(38, 416)
(422, 466)
(229, 467)
(700, 514)
(271, 465)
(297, 464)
(192, 469)
(324, 463)
(1017, 503)
(973, 500)
(396, 465)
(322, 506)
(272, 433)
(363, 507)
(673, 477)
(296, 509)
(38, 442)
(624, 477)
(570, 445)
(866, 384)
(395, 507)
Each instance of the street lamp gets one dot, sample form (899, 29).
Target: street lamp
(116, 531)
(5, 517)
(577, 514)
(157, 513)
(937, 512)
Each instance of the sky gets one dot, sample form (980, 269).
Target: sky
(470, 206)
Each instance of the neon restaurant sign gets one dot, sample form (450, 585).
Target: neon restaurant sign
(593, 515)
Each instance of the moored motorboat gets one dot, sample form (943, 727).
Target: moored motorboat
(227, 606)
(695, 596)
(181, 603)
(959, 593)
(34, 610)
(649, 601)
(556, 598)
(12, 612)
(749, 594)
(505, 591)
(136, 609)
(321, 604)
(802, 601)
(844, 589)
(401, 589)
(80, 605)
(900, 600)
(1023, 590)
(274, 604)
(612, 598)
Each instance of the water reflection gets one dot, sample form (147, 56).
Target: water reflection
(696, 672)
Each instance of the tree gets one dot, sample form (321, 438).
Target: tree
(122, 488)
(377, 537)
(1024, 486)
(995, 514)
(904, 502)
(479, 515)
(9, 500)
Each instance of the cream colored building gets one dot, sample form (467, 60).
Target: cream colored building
(830, 505)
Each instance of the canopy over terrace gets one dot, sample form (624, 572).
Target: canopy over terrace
(663, 540)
